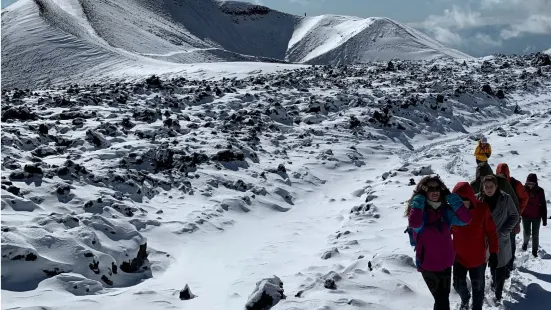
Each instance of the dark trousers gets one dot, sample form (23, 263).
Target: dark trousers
(498, 279)
(513, 249)
(478, 283)
(439, 284)
(531, 227)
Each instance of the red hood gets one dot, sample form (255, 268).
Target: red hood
(464, 190)
(503, 169)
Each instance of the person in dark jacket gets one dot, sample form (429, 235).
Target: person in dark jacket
(506, 217)
(484, 169)
(503, 170)
(534, 214)
(471, 245)
(432, 211)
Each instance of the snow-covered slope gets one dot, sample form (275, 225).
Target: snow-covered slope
(121, 195)
(50, 41)
(345, 40)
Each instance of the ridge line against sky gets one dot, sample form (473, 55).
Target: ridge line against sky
(476, 27)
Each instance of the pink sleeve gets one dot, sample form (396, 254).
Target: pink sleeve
(415, 218)
(463, 214)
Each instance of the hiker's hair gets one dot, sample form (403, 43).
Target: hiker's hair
(490, 178)
(423, 182)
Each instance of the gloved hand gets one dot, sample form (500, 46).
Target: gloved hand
(488, 155)
(545, 223)
(492, 262)
(418, 202)
(454, 201)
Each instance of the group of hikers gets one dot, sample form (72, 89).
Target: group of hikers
(473, 226)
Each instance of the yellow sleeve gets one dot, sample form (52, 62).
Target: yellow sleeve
(489, 149)
(477, 150)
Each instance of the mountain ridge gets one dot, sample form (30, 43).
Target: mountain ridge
(53, 41)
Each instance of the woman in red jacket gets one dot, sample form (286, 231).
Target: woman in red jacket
(534, 214)
(470, 247)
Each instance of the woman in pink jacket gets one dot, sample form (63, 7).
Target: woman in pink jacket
(432, 210)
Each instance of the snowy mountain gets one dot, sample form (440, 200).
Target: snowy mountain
(212, 194)
(54, 41)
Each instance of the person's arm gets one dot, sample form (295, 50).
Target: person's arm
(491, 231)
(522, 196)
(512, 216)
(476, 186)
(509, 190)
(543, 208)
(489, 151)
(477, 150)
(415, 218)
(459, 215)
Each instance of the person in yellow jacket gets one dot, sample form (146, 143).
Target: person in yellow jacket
(483, 151)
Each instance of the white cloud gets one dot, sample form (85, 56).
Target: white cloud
(447, 36)
(486, 40)
(535, 24)
(516, 6)
(516, 18)
(457, 17)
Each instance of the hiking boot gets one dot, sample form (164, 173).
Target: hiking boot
(535, 253)
(525, 246)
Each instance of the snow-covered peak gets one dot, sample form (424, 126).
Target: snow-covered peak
(334, 39)
(50, 41)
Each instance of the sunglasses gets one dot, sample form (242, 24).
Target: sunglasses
(433, 188)
(530, 183)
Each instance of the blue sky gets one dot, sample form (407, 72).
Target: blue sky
(400, 10)
(7, 2)
(477, 27)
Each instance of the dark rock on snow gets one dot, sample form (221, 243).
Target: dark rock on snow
(137, 262)
(268, 293)
(330, 284)
(186, 293)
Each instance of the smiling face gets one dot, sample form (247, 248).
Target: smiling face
(433, 191)
(489, 188)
